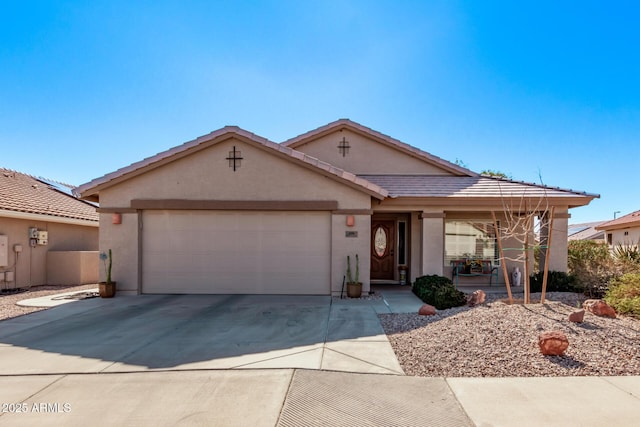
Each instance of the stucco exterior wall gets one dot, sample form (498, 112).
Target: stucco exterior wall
(206, 175)
(72, 267)
(122, 239)
(31, 266)
(432, 238)
(559, 255)
(415, 241)
(366, 156)
(620, 238)
(341, 246)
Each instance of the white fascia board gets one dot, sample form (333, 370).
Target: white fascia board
(48, 218)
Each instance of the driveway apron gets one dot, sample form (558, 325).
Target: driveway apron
(186, 332)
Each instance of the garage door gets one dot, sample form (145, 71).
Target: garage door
(230, 252)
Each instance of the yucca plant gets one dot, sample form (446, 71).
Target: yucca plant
(627, 252)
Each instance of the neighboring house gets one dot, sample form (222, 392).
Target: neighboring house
(622, 231)
(231, 212)
(43, 228)
(586, 231)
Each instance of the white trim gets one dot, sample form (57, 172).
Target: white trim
(48, 218)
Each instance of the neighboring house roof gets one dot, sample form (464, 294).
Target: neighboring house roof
(380, 137)
(627, 221)
(438, 186)
(91, 189)
(585, 231)
(24, 196)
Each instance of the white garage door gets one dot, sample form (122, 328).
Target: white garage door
(230, 252)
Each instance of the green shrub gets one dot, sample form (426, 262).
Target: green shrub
(592, 266)
(624, 294)
(439, 292)
(557, 281)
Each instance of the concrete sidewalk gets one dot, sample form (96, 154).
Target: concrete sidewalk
(287, 397)
(56, 370)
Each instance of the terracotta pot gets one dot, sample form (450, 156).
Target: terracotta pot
(354, 290)
(107, 290)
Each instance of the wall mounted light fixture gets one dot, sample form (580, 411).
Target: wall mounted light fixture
(351, 220)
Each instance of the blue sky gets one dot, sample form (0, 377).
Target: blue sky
(532, 89)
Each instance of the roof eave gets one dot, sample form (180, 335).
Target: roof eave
(90, 191)
(497, 202)
(622, 226)
(47, 218)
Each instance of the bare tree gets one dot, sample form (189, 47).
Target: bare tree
(524, 218)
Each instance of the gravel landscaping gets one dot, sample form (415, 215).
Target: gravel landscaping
(496, 339)
(9, 308)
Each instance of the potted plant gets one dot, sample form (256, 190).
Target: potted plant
(354, 287)
(107, 289)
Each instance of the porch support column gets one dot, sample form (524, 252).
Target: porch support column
(432, 242)
(558, 257)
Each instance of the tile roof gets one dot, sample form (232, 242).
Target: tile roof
(90, 189)
(386, 139)
(23, 193)
(467, 187)
(629, 220)
(585, 231)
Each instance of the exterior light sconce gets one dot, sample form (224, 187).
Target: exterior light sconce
(351, 220)
(116, 218)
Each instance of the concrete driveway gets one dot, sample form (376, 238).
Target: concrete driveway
(187, 332)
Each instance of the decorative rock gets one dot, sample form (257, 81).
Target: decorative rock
(577, 316)
(599, 308)
(427, 310)
(476, 298)
(553, 343)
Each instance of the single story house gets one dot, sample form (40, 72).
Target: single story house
(47, 236)
(586, 231)
(234, 213)
(623, 231)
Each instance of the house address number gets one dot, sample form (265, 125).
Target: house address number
(350, 234)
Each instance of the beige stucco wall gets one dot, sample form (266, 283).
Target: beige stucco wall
(72, 267)
(31, 268)
(619, 238)
(206, 175)
(122, 239)
(341, 246)
(415, 242)
(432, 238)
(559, 255)
(366, 156)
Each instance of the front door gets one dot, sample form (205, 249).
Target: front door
(382, 249)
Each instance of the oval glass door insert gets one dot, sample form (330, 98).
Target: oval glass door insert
(380, 242)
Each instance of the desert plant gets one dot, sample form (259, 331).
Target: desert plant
(350, 278)
(557, 281)
(624, 294)
(107, 261)
(626, 253)
(439, 292)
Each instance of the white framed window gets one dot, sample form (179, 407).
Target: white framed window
(470, 239)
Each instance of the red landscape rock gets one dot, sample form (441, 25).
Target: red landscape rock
(553, 343)
(476, 298)
(599, 308)
(427, 310)
(577, 316)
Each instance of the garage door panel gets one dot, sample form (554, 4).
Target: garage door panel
(236, 252)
